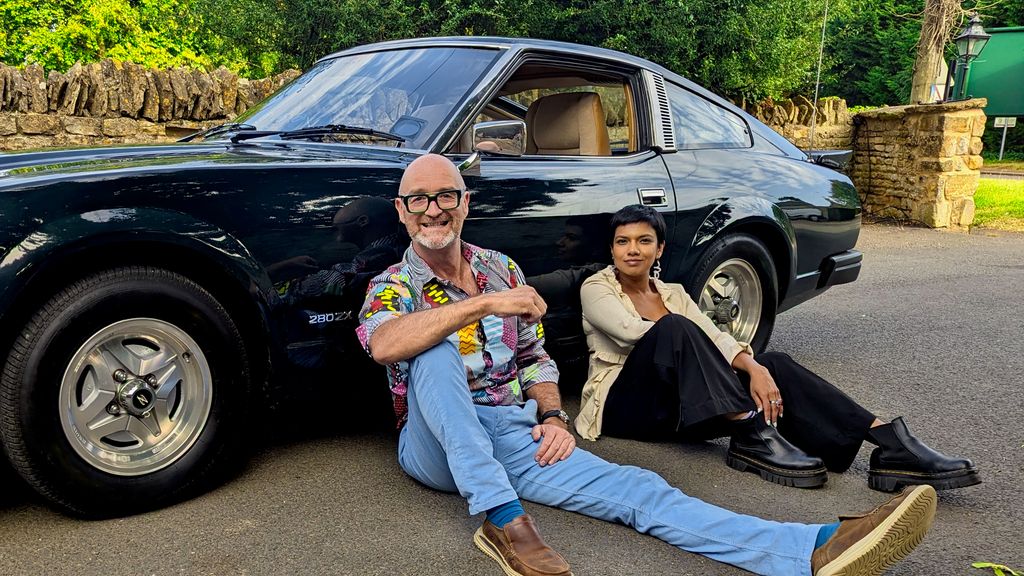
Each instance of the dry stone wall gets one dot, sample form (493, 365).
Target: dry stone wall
(833, 125)
(111, 102)
(920, 163)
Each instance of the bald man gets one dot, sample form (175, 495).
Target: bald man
(477, 401)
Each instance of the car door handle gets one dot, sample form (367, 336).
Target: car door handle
(652, 196)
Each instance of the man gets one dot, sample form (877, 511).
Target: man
(477, 399)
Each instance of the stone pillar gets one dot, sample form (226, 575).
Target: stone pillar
(920, 163)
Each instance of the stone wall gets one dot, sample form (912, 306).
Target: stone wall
(112, 102)
(792, 118)
(920, 163)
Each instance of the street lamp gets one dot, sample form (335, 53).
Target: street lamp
(969, 45)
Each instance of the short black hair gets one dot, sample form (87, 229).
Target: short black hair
(635, 214)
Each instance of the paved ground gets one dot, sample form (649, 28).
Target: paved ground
(930, 331)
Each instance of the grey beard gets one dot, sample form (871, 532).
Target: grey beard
(439, 245)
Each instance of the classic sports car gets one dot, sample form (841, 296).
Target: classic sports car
(149, 294)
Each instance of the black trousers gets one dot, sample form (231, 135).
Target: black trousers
(676, 384)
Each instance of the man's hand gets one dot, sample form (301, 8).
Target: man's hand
(766, 394)
(522, 301)
(558, 443)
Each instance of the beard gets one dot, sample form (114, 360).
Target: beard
(435, 243)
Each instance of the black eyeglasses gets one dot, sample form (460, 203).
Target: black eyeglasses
(420, 203)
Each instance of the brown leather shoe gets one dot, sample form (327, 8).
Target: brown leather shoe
(519, 549)
(866, 544)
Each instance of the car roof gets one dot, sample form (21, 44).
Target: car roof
(499, 42)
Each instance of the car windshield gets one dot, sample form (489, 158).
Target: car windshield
(408, 93)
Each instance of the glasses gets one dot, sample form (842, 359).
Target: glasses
(420, 203)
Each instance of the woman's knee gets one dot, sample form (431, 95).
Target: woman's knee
(770, 359)
(675, 323)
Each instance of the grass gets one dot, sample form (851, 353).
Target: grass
(1004, 165)
(999, 204)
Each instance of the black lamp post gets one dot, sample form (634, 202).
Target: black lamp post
(969, 45)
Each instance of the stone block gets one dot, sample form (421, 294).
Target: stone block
(95, 91)
(957, 124)
(978, 126)
(976, 146)
(19, 142)
(8, 125)
(113, 81)
(151, 99)
(82, 125)
(933, 214)
(961, 185)
(55, 86)
(165, 95)
(963, 212)
(119, 127)
(38, 124)
(151, 129)
(975, 162)
(955, 145)
(35, 81)
(134, 84)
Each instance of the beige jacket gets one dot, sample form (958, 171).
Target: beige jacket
(612, 326)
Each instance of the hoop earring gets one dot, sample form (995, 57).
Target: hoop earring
(656, 269)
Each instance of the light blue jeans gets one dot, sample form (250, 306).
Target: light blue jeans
(486, 454)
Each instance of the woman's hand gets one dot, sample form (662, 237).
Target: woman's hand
(765, 393)
(558, 443)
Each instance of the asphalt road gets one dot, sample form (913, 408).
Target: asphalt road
(931, 331)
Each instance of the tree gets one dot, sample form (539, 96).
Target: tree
(939, 18)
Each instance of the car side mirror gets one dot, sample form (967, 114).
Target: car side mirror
(503, 137)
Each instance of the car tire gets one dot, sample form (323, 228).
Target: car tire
(125, 392)
(735, 284)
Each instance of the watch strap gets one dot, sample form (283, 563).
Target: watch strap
(557, 413)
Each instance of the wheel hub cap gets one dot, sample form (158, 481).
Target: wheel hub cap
(726, 311)
(137, 398)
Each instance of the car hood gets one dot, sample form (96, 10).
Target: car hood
(22, 168)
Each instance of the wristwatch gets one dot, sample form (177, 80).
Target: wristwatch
(559, 413)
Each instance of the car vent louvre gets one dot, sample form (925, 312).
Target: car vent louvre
(667, 132)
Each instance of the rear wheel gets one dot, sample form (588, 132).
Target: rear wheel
(735, 286)
(125, 392)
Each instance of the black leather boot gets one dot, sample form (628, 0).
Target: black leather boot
(758, 447)
(902, 460)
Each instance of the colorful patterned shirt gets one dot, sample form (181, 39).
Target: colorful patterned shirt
(503, 356)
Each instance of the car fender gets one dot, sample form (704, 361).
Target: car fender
(756, 216)
(53, 242)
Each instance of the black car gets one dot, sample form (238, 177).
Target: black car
(151, 295)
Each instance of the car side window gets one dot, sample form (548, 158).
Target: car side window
(568, 110)
(612, 97)
(702, 124)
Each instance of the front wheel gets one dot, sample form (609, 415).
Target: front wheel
(735, 286)
(125, 392)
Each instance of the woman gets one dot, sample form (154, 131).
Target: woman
(660, 369)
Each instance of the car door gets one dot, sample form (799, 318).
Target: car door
(550, 214)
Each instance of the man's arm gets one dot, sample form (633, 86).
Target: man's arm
(410, 334)
(558, 442)
(547, 397)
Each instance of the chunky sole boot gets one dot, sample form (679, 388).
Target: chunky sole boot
(759, 448)
(893, 480)
(783, 476)
(901, 459)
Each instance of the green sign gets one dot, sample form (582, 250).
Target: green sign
(998, 73)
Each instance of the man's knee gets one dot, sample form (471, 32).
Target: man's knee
(439, 358)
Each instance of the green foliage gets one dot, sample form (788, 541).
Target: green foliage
(872, 45)
(739, 48)
(998, 569)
